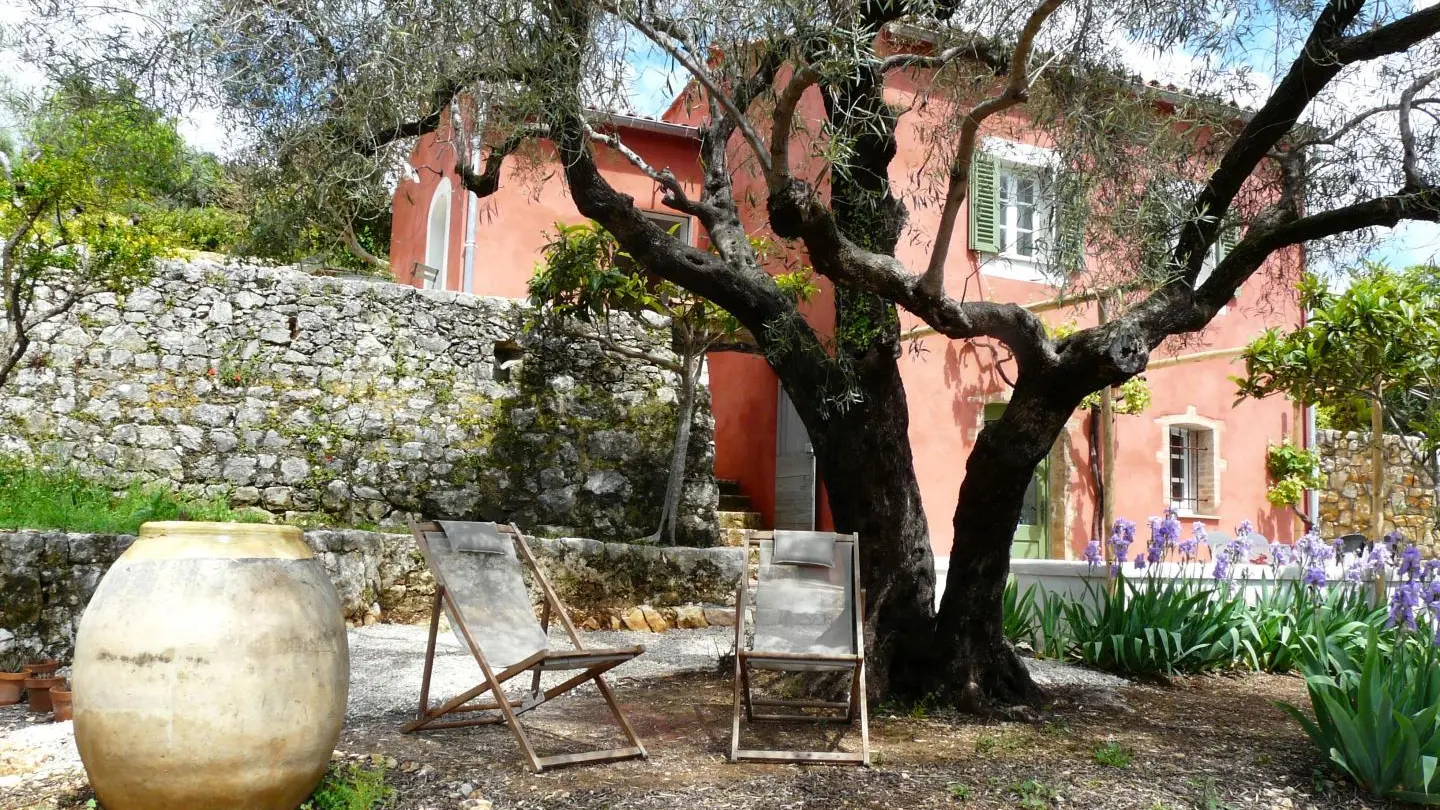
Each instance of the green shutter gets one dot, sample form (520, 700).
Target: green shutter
(1229, 238)
(984, 204)
(1070, 212)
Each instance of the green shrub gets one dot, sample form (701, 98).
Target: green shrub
(1036, 619)
(60, 497)
(1114, 755)
(1159, 627)
(1376, 719)
(1279, 627)
(352, 787)
(1019, 613)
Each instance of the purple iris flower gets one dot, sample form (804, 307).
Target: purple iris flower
(1245, 528)
(1315, 576)
(1121, 536)
(1222, 567)
(1284, 555)
(1092, 552)
(1403, 603)
(1377, 560)
(1409, 563)
(1432, 568)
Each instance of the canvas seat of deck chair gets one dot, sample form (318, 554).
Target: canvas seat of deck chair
(808, 609)
(480, 586)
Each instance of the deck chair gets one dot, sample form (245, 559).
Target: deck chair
(479, 585)
(807, 618)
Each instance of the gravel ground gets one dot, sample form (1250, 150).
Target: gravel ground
(386, 663)
(385, 671)
(1053, 674)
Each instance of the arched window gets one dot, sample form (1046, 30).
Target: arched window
(437, 237)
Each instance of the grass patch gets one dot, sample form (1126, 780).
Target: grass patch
(1032, 794)
(959, 791)
(60, 497)
(352, 787)
(1114, 755)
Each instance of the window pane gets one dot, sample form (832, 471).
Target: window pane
(1025, 190)
(1025, 243)
(1025, 217)
(1182, 468)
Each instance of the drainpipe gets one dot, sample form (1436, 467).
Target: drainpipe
(472, 214)
(1312, 498)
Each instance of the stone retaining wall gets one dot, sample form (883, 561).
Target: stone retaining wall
(349, 402)
(47, 578)
(1409, 496)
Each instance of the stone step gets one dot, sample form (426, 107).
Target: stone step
(740, 520)
(734, 503)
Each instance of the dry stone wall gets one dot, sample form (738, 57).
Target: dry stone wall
(353, 402)
(1408, 497)
(47, 578)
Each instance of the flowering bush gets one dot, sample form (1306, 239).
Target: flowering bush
(1372, 671)
(1155, 623)
(1167, 627)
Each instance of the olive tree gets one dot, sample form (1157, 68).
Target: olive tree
(67, 187)
(800, 107)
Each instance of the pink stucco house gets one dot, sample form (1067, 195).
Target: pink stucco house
(1194, 448)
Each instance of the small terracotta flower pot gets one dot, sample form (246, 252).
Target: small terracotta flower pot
(38, 691)
(60, 699)
(12, 686)
(41, 669)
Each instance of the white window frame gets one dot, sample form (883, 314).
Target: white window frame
(668, 221)
(437, 252)
(1013, 158)
(1042, 231)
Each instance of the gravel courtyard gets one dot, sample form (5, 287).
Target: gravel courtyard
(1213, 743)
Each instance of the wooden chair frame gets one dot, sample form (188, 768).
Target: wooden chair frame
(848, 711)
(594, 664)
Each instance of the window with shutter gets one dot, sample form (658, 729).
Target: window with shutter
(1069, 254)
(1228, 239)
(1191, 485)
(984, 204)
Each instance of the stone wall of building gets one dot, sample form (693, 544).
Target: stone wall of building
(47, 578)
(1408, 496)
(349, 402)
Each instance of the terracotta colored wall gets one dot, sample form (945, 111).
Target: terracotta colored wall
(949, 382)
(743, 393)
(515, 222)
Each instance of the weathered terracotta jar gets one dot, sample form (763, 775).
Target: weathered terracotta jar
(211, 671)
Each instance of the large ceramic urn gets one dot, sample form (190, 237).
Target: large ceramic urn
(211, 671)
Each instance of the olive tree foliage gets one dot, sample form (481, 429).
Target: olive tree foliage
(800, 106)
(85, 157)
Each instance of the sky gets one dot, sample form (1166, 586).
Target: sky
(655, 80)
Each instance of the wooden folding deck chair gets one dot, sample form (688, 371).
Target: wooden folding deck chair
(480, 586)
(808, 614)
